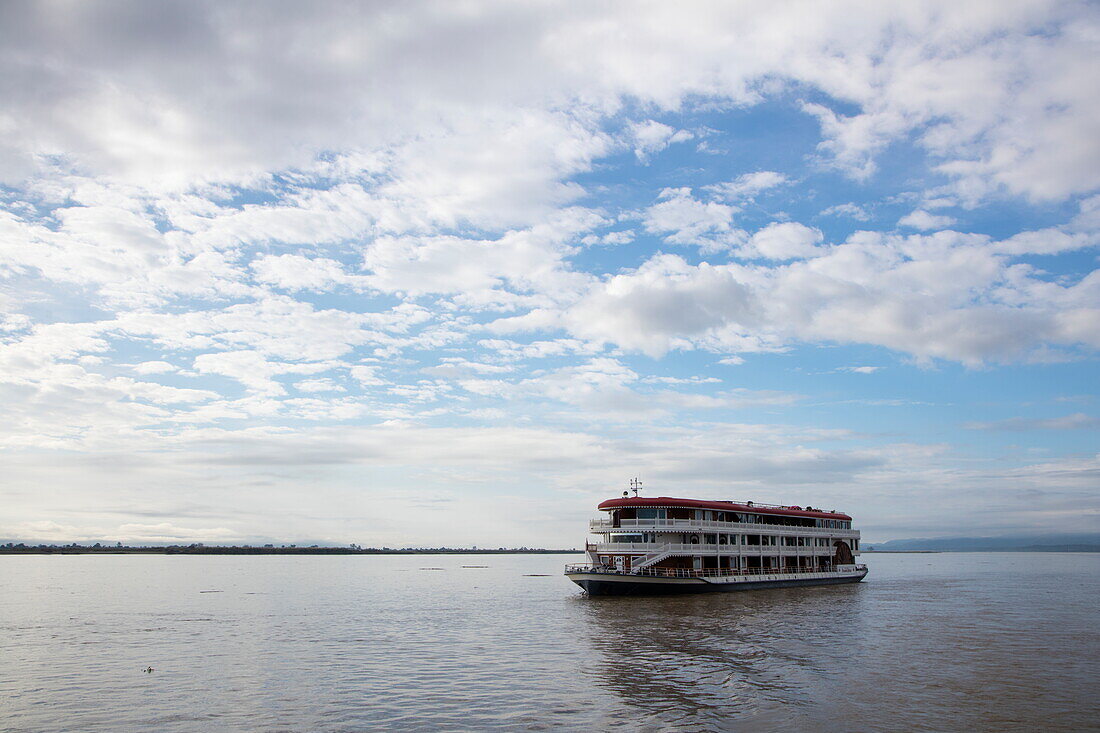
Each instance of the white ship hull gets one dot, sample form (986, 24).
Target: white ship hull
(600, 582)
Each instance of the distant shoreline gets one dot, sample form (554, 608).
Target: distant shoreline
(243, 550)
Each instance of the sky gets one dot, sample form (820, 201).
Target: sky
(451, 273)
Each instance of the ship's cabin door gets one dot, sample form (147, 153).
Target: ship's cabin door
(620, 563)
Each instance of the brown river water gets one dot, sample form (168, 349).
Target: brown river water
(929, 642)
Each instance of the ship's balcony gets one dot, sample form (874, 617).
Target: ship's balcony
(698, 525)
(649, 548)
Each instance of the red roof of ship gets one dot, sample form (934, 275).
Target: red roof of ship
(724, 506)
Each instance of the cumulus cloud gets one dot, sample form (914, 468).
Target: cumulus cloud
(851, 210)
(253, 370)
(651, 137)
(663, 305)
(684, 219)
(945, 295)
(318, 385)
(924, 221)
(783, 241)
(154, 367)
(295, 272)
(1047, 242)
(936, 70)
(748, 185)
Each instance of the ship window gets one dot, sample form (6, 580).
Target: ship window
(710, 539)
(626, 538)
(647, 514)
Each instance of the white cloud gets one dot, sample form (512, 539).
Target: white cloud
(682, 380)
(748, 185)
(783, 241)
(851, 144)
(275, 325)
(318, 385)
(686, 220)
(665, 304)
(530, 259)
(853, 211)
(945, 295)
(1088, 218)
(1046, 242)
(295, 272)
(154, 367)
(924, 221)
(366, 376)
(651, 137)
(253, 370)
(611, 239)
(1000, 105)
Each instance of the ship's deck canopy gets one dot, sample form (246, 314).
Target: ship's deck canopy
(628, 502)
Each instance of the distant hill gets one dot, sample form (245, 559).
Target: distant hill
(1087, 542)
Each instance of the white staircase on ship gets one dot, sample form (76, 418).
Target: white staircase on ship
(653, 557)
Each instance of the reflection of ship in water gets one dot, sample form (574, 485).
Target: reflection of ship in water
(707, 662)
(668, 545)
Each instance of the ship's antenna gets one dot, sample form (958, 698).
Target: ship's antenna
(635, 485)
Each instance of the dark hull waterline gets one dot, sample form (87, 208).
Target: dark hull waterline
(623, 586)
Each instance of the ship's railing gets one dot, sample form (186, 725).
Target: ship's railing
(612, 548)
(707, 573)
(693, 525)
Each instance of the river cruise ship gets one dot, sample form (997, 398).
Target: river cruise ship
(667, 545)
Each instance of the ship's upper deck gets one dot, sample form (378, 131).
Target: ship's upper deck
(748, 507)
